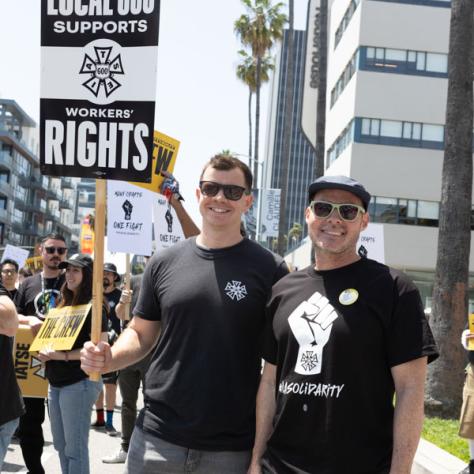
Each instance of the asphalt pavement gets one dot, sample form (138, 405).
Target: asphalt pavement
(100, 445)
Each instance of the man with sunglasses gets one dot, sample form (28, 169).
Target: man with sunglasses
(35, 297)
(346, 335)
(202, 304)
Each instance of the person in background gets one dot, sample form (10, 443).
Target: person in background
(23, 273)
(35, 297)
(11, 404)
(131, 377)
(9, 273)
(71, 394)
(466, 419)
(112, 296)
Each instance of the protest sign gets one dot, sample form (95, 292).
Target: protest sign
(30, 373)
(165, 152)
(98, 87)
(168, 230)
(17, 254)
(270, 213)
(61, 328)
(87, 237)
(129, 218)
(371, 242)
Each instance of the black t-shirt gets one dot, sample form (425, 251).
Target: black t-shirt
(201, 384)
(36, 295)
(11, 403)
(112, 299)
(60, 372)
(334, 336)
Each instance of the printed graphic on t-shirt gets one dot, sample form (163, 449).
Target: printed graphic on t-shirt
(311, 324)
(46, 300)
(235, 290)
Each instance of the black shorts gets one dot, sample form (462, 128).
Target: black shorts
(110, 378)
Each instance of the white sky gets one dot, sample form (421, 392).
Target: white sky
(199, 99)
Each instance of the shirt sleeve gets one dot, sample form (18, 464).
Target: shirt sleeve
(3, 291)
(410, 336)
(270, 345)
(148, 305)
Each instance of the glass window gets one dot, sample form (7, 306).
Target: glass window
(370, 53)
(395, 55)
(375, 127)
(379, 53)
(365, 127)
(407, 128)
(421, 61)
(411, 208)
(434, 133)
(391, 128)
(428, 210)
(416, 135)
(437, 62)
(386, 209)
(412, 56)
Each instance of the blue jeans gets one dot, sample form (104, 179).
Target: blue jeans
(6, 433)
(150, 455)
(70, 410)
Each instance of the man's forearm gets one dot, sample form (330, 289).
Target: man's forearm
(8, 317)
(266, 406)
(129, 348)
(187, 224)
(408, 420)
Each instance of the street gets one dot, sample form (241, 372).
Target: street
(100, 445)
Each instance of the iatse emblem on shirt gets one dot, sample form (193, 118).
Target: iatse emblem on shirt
(349, 296)
(235, 290)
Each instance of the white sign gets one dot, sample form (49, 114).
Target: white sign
(129, 218)
(311, 73)
(372, 240)
(98, 87)
(270, 213)
(168, 230)
(15, 253)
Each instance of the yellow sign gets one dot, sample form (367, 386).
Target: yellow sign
(87, 238)
(61, 328)
(470, 342)
(28, 369)
(165, 151)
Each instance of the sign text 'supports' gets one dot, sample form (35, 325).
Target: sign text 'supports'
(98, 85)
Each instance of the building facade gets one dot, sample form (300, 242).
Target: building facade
(302, 154)
(31, 205)
(385, 116)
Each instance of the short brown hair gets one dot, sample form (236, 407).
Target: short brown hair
(229, 162)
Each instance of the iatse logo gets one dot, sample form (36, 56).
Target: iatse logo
(102, 71)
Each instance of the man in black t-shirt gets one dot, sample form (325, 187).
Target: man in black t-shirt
(35, 297)
(343, 337)
(202, 304)
(11, 406)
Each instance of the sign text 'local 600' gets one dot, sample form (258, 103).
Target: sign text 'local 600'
(98, 86)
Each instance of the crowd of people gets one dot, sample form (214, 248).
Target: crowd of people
(344, 343)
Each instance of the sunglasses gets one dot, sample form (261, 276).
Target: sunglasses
(59, 250)
(231, 191)
(347, 212)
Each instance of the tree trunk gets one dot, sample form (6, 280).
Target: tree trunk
(250, 125)
(450, 293)
(285, 158)
(322, 75)
(257, 121)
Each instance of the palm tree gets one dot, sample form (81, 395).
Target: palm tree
(450, 293)
(247, 73)
(322, 80)
(288, 129)
(295, 232)
(258, 29)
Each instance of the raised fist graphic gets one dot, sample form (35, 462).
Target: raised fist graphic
(127, 207)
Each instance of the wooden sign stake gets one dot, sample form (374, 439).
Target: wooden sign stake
(98, 275)
(127, 284)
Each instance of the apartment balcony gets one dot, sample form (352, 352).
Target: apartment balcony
(4, 216)
(34, 181)
(53, 215)
(6, 161)
(6, 189)
(25, 228)
(66, 204)
(37, 205)
(67, 183)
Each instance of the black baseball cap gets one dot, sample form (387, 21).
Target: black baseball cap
(78, 260)
(110, 267)
(340, 182)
